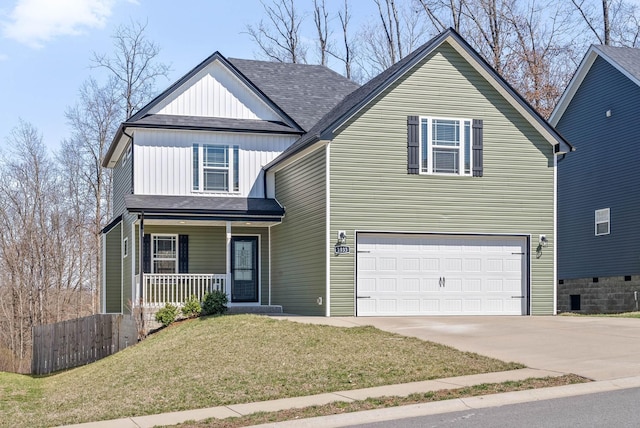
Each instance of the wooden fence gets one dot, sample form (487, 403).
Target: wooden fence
(80, 341)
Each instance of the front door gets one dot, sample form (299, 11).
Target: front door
(244, 269)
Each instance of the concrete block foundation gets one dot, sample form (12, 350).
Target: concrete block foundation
(605, 295)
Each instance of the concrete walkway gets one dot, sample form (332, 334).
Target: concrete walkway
(603, 349)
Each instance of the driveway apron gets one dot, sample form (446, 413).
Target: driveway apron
(599, 348)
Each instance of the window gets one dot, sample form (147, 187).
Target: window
(215, 168)
(445, 146)
(164, 254)
(603, 223)
(125, 247)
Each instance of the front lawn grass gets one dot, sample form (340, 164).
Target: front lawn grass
(214, 361)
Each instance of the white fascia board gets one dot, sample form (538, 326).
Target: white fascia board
(117, 152)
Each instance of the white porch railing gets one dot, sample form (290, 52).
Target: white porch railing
(176, 288)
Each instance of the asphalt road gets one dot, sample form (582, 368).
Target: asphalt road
(608, 409)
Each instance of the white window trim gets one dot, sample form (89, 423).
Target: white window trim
(230, 168)
(607, 212)
(152, 250)
(125, 247)
(461, 148)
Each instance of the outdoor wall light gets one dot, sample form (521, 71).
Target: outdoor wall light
(342, 237)
(543, 240)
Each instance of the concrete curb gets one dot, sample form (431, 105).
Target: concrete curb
(455, 405)
(402, 390)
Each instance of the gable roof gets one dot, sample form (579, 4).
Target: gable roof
(299, 93)
(359, 98)
(625, 60)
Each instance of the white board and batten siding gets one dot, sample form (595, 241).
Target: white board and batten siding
(422, 274)
(164, 163)
(216, 92)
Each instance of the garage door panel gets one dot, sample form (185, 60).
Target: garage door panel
(410, 285)
(470, 285)
(411, 264)
(431, 265)
(430, 285)
(446, 275)
(472, 306)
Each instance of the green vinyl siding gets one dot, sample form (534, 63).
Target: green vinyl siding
(113, 270)
(207, 249)
(371, 190)
(298, 244)
(127, 280)
(122, 182)
(207, 246)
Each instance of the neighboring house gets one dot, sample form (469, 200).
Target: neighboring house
(598, 186)
(428, 190)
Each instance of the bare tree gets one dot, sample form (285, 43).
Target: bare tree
(444, 13)
(94, 120)
(398, 31)
(279, 37)
(29, 215)
(536, 63)
(321, 20)
(134, 65)
(346, 55)
(612, 22)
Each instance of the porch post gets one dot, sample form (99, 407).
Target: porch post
(227, 282)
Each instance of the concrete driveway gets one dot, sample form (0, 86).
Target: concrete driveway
(598, 348)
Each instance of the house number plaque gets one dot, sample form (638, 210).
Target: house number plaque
(342, 249)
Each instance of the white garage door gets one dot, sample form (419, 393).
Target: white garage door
(441, 275)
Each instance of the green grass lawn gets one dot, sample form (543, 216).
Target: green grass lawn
(225, 360)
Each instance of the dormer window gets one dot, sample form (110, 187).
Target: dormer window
(215, 168)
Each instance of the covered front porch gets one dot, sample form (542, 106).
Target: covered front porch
(187, 254)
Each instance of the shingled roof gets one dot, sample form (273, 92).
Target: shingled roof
(305, 92)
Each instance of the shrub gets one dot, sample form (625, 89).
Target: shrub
(167, 315)
(214, 303)
(191, 308)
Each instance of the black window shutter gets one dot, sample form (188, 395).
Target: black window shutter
(146, 254)
(413, 144)
(477, 148)
(183, 253)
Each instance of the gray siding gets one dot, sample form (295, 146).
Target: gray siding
(113, 271)
(298, 244)
(602, 173)
(122, 183)
(371, 190)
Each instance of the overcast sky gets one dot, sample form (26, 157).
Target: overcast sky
(46, 45)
